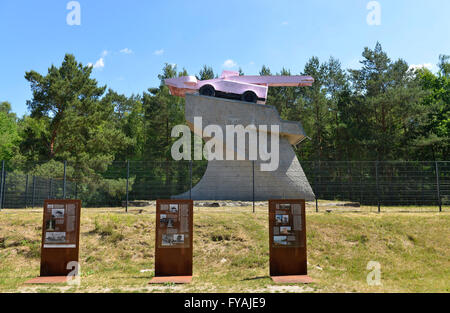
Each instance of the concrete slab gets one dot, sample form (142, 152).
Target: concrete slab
(171, 279)
(292, 279)
(48, 280)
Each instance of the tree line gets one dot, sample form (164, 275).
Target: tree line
(382, 111)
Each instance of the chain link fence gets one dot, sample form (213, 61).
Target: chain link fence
(377, 184)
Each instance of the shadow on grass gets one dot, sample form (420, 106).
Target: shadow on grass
(255, 278)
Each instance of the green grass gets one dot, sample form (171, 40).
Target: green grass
(231, 251)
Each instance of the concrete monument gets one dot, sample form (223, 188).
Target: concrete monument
(242, 178)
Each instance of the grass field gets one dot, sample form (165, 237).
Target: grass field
(231, 251)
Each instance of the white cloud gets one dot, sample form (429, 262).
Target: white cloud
(99, 64)
(414, 67)
(284, 23)
(159, 52)
(126, 51)
(229, 63)
(105, 53)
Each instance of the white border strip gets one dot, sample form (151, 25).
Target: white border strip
(59, 246)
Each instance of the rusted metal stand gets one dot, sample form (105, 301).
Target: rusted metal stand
(60, 242)
(173, 242)
(287, 241)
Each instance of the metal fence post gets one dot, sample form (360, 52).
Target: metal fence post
(438, 186)
(2, 205)
(64, 180)
(190, 179)
(26, 191)
(378, 191)
(50, 189)
(320, 184)
(128, 178)
(253, 184)
(34, 191)
(315, 185)
(360, 184)
(1, 184)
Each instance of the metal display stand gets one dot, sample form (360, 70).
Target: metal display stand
(60, 241)
(287, 241)
(173, 241)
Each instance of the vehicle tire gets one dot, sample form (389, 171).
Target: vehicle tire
(249, 96)
(207, 90)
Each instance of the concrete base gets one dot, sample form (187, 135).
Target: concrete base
(292, 279)
(171, 279)
(233, 180)
(48, 280)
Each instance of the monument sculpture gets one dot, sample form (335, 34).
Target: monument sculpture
(240, 100)
(231, 85)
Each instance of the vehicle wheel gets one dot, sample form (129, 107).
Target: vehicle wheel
(207, 90)
(249, 96)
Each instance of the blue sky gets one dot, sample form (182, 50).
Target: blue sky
(129, 41)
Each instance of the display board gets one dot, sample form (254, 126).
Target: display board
(60, 236)
(173, 247)
(287, 232)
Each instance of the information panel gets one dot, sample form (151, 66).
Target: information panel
(60, 236)
(287, 232)
(174, 228)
